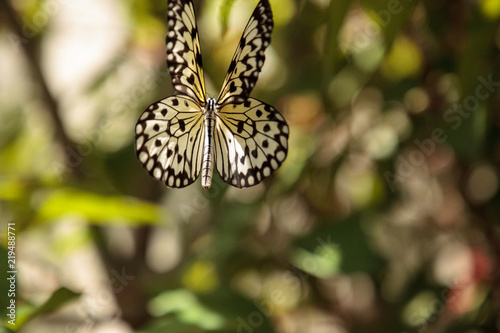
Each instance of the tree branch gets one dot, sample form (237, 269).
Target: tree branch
(30, 51)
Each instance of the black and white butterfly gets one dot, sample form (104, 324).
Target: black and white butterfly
(181, 135)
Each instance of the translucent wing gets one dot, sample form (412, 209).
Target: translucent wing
(169, 140)
(183, 50)
(249, 56)
(251, 141)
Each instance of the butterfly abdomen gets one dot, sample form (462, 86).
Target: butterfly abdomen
(208, 162)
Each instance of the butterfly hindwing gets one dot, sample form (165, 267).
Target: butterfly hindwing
(251, 141)
(183, 51)
(169, 140)
(249, 56)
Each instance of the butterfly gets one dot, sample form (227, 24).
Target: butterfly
(186, 134)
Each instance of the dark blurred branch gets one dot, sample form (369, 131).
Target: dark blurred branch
(30, 51)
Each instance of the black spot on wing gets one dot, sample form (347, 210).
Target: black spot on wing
(240, 127)
(232, 87)
(232, 66)
(199, 59)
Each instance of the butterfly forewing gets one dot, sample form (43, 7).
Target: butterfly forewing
(169, 140)
(251, 141)
(184, 51)
(249, 57)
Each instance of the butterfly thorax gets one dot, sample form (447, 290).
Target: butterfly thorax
(210, 108)
(209, 113)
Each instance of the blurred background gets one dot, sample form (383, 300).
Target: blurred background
(384, 218)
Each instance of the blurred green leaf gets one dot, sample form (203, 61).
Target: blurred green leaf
(187, 309)
(490, 9)
(224, 11)
(220, 311)
(97, 208)
(59, 298)
(324, 263)
(347, 238)
(240, 314)
(201, 276)
(11, 189)
(4, 329)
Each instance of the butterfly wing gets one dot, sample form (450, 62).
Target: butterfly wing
(169, 140)
(184, 51)
(169, 133)
(251, 141)
(249, 57)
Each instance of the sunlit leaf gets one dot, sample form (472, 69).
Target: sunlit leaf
(201, 277)
(97, 208)
(283, 11)
(187, 309)
(403, 61)
(418, 311)
(11, 189)
(241, 314)
(490, 9)
(324, 263)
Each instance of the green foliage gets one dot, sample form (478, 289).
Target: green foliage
(383, 218)
(346, 240)
(62, 202)
(225, 10)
